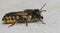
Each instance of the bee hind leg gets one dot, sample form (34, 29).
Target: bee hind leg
(12, 24)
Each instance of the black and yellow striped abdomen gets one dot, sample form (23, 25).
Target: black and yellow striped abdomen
(11, 17)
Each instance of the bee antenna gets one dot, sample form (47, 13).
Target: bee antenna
(43, 6)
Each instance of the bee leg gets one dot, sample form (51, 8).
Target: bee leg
(12, 24)
(26, 22)
(42, 21)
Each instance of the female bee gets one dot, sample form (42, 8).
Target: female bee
(25, 16)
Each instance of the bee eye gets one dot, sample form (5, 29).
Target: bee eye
(37, 13)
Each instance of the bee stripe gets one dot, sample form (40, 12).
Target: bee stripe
(9, 19)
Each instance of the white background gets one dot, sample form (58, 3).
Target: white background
(51, 17)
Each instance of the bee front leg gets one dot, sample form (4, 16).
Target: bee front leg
(42, 21)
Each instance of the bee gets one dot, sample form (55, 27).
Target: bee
(25, 16)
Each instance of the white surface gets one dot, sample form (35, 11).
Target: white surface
(51, 17)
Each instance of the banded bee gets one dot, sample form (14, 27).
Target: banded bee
(13, 17)
(25, 16)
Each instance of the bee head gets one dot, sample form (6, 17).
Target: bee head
(37, 11)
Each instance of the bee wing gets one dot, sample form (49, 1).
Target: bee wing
(22, 13)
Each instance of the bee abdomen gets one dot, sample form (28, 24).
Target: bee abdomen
(10, 19)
